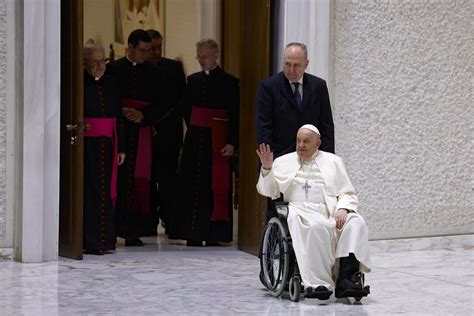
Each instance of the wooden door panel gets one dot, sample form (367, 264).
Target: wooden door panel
(71, 156)
(254, 65)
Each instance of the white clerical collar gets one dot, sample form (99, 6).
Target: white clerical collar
(310, 160)
(208, 71)
(97, 78)
(133, 62)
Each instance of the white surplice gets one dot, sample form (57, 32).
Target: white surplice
(316, 241)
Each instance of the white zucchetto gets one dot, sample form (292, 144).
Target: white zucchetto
(311, 128)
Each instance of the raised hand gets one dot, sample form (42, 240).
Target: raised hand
(266, 156)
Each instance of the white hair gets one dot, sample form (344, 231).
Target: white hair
(89, 48)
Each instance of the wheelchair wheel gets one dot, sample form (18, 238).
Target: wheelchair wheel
(295, 288)
(275, 256)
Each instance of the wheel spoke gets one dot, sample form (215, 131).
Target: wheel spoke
(274, 257)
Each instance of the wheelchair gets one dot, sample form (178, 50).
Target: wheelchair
(279, 270)
(278, 267)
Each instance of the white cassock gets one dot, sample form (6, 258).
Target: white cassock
(316, 241)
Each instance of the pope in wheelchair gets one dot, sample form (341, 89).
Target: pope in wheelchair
(329, 238)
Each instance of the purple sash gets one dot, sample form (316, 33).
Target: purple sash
(143, 161)
(217, 120)
(106, 127)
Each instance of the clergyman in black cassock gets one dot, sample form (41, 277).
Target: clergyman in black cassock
(168, 137)
(103, 152)
(140, 100)
(204, 193)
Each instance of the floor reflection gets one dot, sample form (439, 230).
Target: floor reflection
(168, 278)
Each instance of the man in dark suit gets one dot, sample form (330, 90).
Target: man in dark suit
(168, 139)
(288, 100)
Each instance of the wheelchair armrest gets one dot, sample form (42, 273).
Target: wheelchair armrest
(282, 208)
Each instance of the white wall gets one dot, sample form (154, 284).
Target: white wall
(33, 84)
(3, 123)
(404, 113)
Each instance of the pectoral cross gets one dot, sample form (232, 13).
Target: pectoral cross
(306, 187)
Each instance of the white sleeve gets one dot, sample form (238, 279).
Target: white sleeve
(267, 185)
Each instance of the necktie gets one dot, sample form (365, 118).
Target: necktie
(297, 94)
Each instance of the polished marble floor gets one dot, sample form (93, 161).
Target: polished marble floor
(428, 276)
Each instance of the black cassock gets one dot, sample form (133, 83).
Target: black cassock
(140, 83)
(193, 218)
(101, 100)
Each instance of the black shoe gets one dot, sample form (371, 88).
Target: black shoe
(194, 243)
(212, 243)
(133, 242)
(353, 286)
(321, 292)
(96, 252)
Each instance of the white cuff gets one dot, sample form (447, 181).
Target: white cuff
(265, 172)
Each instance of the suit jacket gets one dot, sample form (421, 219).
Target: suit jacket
(338, 191)
(279, 118)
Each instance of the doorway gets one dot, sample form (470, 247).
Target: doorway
(245, 40)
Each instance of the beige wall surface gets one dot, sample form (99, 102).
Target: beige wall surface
(99, 23)
(404, 113)
(182, 32)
